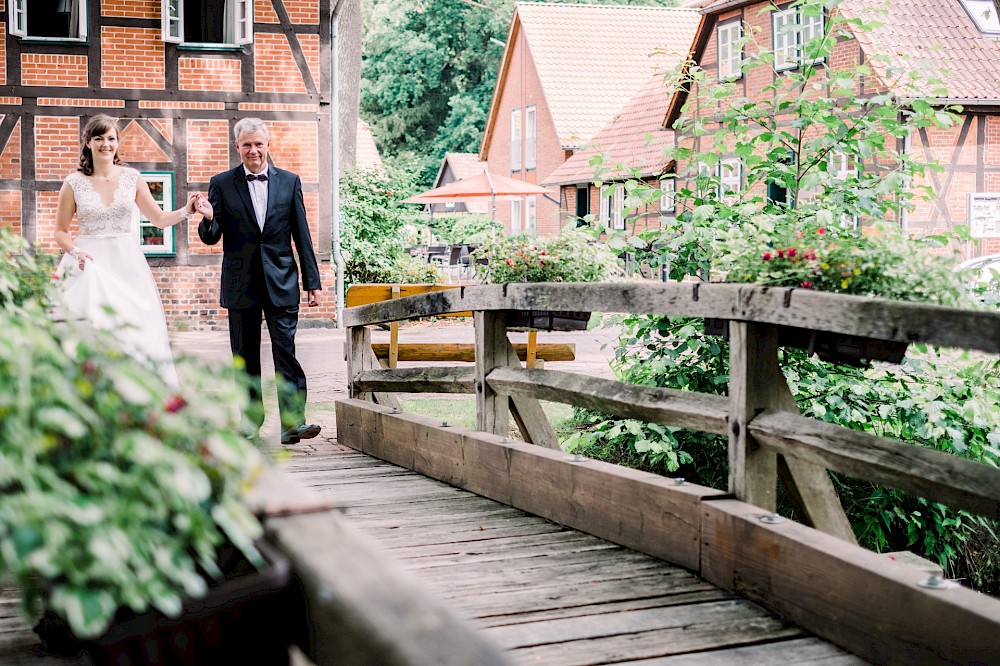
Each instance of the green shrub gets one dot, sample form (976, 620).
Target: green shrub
(25, 273)
(571, 256)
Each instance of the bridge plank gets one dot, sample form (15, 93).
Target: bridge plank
(419, 380)
(809, 651)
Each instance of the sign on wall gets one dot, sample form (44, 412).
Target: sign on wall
(984, 215)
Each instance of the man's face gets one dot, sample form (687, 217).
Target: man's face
(253, 150)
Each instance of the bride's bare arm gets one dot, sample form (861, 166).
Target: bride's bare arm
(160, 218)
(65, 210)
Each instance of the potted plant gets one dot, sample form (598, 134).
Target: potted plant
(570, 256)
(121, 519)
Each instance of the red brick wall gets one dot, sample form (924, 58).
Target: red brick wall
(10, 157)
(45, 221)
(52, 69)
(57, 145)
(131, 58)
(131, 8)
(135, 145)
(208, 74)
(3, 49)
(522, 89)
(213, 140)
(275, 69)
(293, 147)
(10, 210)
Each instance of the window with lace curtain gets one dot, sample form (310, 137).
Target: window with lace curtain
(208, 22)
(62, 20)
(154, 241)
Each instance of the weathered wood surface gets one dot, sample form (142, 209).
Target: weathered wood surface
(949, 479)
(545, 593)
(492, 409)
(647, 403)
(466, 352)
(872, 605)
(803, 308)
(418, 380)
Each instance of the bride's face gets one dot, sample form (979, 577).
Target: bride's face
(104, 146)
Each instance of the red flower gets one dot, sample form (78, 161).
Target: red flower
(89, 368)
(792, 252)
(781, 253)
(509, 262)
(767, 256)
(821, 231)
(807, 285)
(175, 404)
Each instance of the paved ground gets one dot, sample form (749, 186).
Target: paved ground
(321, 352)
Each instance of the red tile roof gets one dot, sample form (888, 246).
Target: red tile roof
(464, 165)
(634, 139)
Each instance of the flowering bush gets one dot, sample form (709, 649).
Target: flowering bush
(568, 257)
(879, 262)
(24, 273)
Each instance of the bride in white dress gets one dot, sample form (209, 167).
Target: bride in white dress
(105, 276)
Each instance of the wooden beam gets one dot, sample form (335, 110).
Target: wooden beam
(359, 342)
(393, 334)
(684, 409)
(528, 414)
(466, 353)
(638, 510)
(803, 308)
(419, 380)
(859, 600)
(936, 475)
(492, 409)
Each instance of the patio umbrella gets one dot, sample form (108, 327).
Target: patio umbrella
(480, 186)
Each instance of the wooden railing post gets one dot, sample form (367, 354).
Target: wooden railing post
(359, 342)
(754, 376)
(492, 408)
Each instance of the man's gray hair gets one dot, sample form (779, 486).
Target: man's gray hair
(248, 125)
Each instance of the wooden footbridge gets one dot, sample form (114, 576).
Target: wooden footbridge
(433, 544)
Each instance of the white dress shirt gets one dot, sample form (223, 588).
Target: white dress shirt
(258, 194)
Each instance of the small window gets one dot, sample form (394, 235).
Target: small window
(515, 140)
(668, 195)
(529, 137)
(604, 214)
(582, 203)
(840, 166)
(730, 50)
(792, 31)
(530, 214)
(155, 241)
(730, 180)
(515, 216)
(48, 19)
(613, 206)
(208, 22)
(984, 13)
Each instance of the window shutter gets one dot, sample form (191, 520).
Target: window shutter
(605, 212)
(80, 14)
(172, 17)
(529, 138)
(618, 213)
(243, 21)
(17, 15)
(785, 47)
(515, 140)
(531, 214)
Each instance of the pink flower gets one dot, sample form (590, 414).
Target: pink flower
(175, 404)
(798, 234)
(781, 253)
(807, 285)
(792, 252)
(510, 263)
(821, 231)
(767, 256)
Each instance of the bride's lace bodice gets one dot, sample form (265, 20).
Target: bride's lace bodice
(98, 219)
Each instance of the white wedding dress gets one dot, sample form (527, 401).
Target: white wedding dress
(116, 290)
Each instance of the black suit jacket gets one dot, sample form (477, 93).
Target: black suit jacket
(255, 259)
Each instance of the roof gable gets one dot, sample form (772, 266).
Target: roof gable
(590, 59)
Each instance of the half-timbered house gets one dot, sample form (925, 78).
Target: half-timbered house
(177, 74)
(956, 40)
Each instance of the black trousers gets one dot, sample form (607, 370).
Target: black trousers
(244, 340)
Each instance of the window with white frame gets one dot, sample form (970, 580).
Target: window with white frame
(530, 214)
(153, 240)
(612, 213)
(730, 49)
(840, 165)
(668, 195)
(207, 22)
(515, 216)
(984, 14)
(60, 20)
(730, 179)
(515, 140)
(792, 30)
(529, 137)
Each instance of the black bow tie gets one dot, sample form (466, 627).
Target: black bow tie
(262, 176)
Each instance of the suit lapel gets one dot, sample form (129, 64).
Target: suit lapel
(273, 183)
(240, 182)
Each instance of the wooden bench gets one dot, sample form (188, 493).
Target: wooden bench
(390, 354)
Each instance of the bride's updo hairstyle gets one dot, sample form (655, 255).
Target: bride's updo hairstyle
(96, 126)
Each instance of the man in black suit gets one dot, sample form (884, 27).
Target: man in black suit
(257, 210)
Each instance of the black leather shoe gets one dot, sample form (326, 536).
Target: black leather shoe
(299, 432)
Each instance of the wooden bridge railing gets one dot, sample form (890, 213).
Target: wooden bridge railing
(841, 592)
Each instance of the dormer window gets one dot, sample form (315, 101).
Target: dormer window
(208, 22)
(62, 20)
(984, 13)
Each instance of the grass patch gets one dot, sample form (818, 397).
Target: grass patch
(462, 412)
